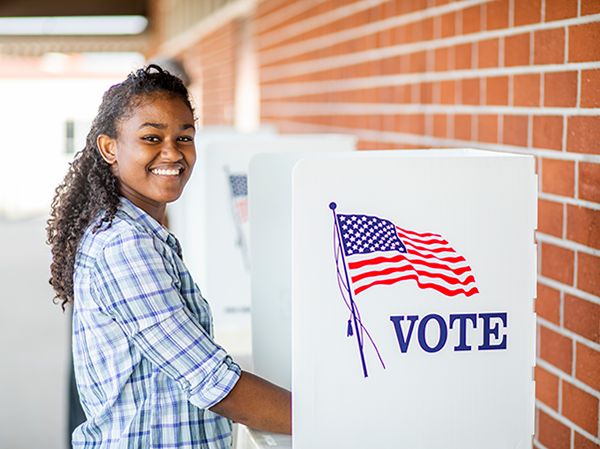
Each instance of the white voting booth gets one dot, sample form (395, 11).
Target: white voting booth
(411, 281)
(211, 218)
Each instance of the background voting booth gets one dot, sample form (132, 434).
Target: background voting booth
(411, 276)
(211, 219)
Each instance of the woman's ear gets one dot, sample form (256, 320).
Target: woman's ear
(106, 145)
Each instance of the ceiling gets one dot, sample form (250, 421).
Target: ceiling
(39, 45)
(41, 8)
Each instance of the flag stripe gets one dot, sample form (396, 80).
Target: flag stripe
(449, 279)
(454, 259)
(378, 260)
(439, 288)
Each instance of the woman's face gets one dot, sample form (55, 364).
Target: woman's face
(154, 153)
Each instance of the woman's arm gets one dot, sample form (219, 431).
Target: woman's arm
(259, 404)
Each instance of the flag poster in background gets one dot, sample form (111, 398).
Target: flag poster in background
(371, 251)
(238, 189)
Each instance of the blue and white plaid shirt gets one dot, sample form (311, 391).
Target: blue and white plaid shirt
(146, 365)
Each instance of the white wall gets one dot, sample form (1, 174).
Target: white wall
(34, 333)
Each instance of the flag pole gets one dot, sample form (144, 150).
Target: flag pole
(333, 206)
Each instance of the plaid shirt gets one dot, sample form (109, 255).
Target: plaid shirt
(146, 365)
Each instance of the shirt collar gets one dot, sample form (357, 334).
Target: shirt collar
(150, 224)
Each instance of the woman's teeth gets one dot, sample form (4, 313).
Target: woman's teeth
(165, 171)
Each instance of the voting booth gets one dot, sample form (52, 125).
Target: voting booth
(402, 285)
(212, 217)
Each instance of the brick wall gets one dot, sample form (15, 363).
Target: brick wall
(212, 65)
(510, 75)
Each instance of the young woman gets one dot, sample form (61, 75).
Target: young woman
(148, 371)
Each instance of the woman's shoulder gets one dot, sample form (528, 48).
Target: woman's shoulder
(122, 229)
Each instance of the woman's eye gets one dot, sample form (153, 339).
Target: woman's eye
(150, 138)
(186, 138)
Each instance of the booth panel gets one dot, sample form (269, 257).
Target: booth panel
(411, 351)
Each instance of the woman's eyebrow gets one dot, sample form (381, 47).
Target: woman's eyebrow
(153, 125)
(163, 126)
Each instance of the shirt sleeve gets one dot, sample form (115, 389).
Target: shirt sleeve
(137, 285)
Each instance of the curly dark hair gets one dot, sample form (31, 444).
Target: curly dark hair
(90, 191)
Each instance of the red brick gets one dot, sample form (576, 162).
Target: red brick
(400, 123)
(385, 94)
(462, 127)
(426, 29)
(398, 35)
(447, 91)
(374, 122)
(470, 91)
(515, 129)
(417, 5)
(582, 317)
(417, 124)
(526, 90)
(588, 273)
(463, 56)
(549, 46)
(390, 66)
(547, 303)
(413, 32)
(426, 93)
(583, 134)
(496, 90)
(590, 7)
(587, 366)
(448, 25)
(487, 128)
(418, 62)
(589, 181)
(557, 263)
(552, 433)
(580, 407)
(556, 349)
(546, 387)
(439, 125)
(389, 10)
(547, 132)
(583, 42)
(560, 9)
(370, 95)
(583, 226)
(488, 53)
(471, 20)
(366, 146)
(441, 59)
(516, 50)
(590, 88)
(581, 442)
(388, 123)
(550, 218)
(527, 12)
(560, 89)
(496, 15)
(558, 177)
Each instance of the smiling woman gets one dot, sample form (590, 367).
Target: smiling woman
(148, 370)
(154, 153)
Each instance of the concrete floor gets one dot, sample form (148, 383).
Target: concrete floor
(34, 342)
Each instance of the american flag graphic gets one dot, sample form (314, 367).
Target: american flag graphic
(239, 194)
(372, 251)
(381, 253)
